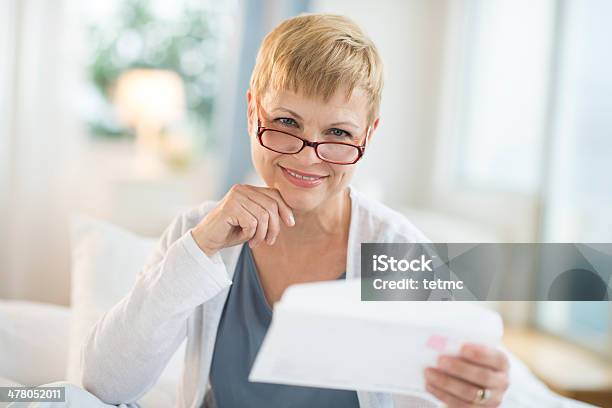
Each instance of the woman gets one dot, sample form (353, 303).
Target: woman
(313, 109)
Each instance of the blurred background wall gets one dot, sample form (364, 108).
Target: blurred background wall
(495, 124)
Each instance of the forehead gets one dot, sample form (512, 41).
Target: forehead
(310, 108)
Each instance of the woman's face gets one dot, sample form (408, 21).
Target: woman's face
(314, 120)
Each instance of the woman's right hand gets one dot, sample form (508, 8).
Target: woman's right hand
(246, 213)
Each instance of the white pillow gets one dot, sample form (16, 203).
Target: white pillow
(105, 262)
(34, 340)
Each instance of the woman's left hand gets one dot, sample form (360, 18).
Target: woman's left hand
(478, 376)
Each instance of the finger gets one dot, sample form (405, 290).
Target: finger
(463, 390)
(481, 376)
(261, 215)
(485, 356)
(246, 221)
(274, 217)
(284, 210)
(450, 400)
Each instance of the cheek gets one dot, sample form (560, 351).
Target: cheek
(344, 174)
(263, 159)
(257, 155)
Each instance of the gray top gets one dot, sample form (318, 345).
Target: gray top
(244, 322)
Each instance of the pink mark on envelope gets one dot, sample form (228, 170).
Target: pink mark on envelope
(436, 342)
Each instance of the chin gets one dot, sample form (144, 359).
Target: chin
(301, 199)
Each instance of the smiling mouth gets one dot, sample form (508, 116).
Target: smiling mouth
(301, 179)
(302, 175)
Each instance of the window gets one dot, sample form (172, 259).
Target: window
(526, 119)
(494, 114)
(503, 93)
(579, 192)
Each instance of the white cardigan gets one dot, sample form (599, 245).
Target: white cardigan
(181, 292)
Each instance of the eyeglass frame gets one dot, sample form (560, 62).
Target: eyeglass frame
(360, 148)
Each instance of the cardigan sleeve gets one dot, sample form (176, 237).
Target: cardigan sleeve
(128, 348)
(526, 390)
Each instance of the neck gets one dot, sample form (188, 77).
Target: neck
(330, 220)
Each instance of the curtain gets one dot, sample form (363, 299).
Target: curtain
(259, 17)
(37, 136)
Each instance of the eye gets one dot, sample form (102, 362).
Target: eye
(339, 132)
(286, 121)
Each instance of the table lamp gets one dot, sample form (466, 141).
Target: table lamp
(149, 100)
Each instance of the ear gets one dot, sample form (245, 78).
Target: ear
(250, 103)
(374, 127)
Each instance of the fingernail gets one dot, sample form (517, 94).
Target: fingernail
(291, 219)
(443, 362)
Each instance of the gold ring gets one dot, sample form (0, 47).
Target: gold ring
(482, 396)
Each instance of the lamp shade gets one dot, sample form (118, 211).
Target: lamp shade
(149, 97)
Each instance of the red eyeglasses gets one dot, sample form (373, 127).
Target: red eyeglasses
(332, 152)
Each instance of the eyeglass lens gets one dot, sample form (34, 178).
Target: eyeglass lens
(284, 143)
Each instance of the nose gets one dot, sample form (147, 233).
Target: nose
(307, 155)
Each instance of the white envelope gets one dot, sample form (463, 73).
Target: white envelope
(323, 335)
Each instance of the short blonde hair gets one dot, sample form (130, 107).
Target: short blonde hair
(316, 54)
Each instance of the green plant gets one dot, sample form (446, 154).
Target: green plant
(137, 38)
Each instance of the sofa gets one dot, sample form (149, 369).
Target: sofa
(40, 343)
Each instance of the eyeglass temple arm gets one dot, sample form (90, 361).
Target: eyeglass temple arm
(365, 141)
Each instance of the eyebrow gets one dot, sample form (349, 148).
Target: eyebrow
(291, 112)
(332, 124)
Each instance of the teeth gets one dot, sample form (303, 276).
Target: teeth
(302, 177)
